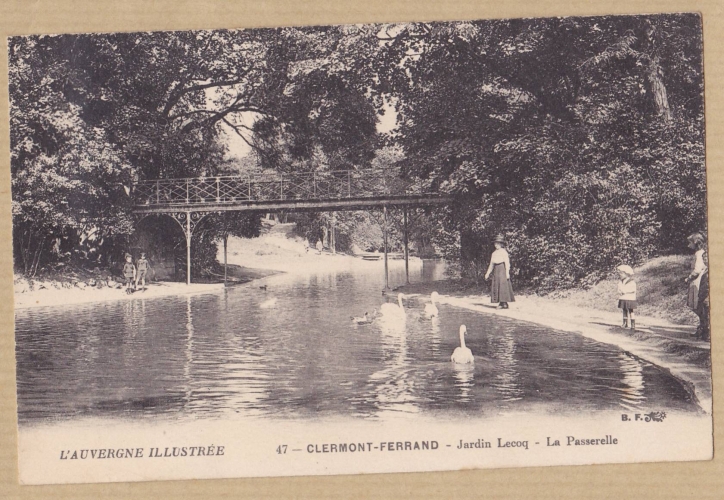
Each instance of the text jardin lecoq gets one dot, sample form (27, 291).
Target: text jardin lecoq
(171, 451)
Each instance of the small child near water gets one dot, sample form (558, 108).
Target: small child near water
(129, 272)
(142, 269)
(627, 295)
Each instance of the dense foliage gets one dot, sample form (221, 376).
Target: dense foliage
(92, 113)
(580, 139)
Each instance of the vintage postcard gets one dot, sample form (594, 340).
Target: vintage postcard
(360, 249)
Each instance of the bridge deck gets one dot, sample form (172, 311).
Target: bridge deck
(298, 205)
(337, 190)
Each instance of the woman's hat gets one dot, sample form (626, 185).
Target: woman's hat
(499, 239)
(626, 269)
(129, 255)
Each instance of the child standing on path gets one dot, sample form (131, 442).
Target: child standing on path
(142, 268)
(129, 272)
(627, 295)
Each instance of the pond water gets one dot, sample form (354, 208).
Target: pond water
(223, 355)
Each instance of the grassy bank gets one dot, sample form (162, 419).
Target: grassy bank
(661, 291)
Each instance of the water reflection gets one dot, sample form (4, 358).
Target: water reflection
(464, 380)
(221, 355)
(189, 349)
(506, 381)
(435, 338)
(633, 378)
(392, 386)
(242, 387)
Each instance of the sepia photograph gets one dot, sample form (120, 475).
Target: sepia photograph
(360, 248)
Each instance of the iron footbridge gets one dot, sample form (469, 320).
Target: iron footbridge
(189, 200)
(336, 190)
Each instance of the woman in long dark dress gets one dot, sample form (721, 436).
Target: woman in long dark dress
(704, 329)
(500, 290)
(698, 244)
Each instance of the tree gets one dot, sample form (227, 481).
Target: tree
(67, 180)
(153, 105)
(571, 136)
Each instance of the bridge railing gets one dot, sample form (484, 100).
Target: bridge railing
(299, 186)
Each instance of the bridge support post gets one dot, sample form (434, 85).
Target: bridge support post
(384, 233)
(407, 253)
(226, 240)
(188, 248)
(188, 220)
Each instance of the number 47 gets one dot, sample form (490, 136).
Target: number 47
(282, 449)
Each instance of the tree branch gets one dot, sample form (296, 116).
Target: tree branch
(190, 113)
(235, 128)
(221, 115)
(178, 93)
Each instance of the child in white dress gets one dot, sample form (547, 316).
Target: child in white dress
(627, 295)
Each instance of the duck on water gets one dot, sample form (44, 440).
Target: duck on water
(364, 320)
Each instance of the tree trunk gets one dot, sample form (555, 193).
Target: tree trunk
(36, 259)
(659, 90)
(472, 256)
(25, 252)
(31, 251)
(655, 74)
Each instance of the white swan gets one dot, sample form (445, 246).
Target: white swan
(268, 304)
(462, 354)
(394, 311)
(431, 309)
